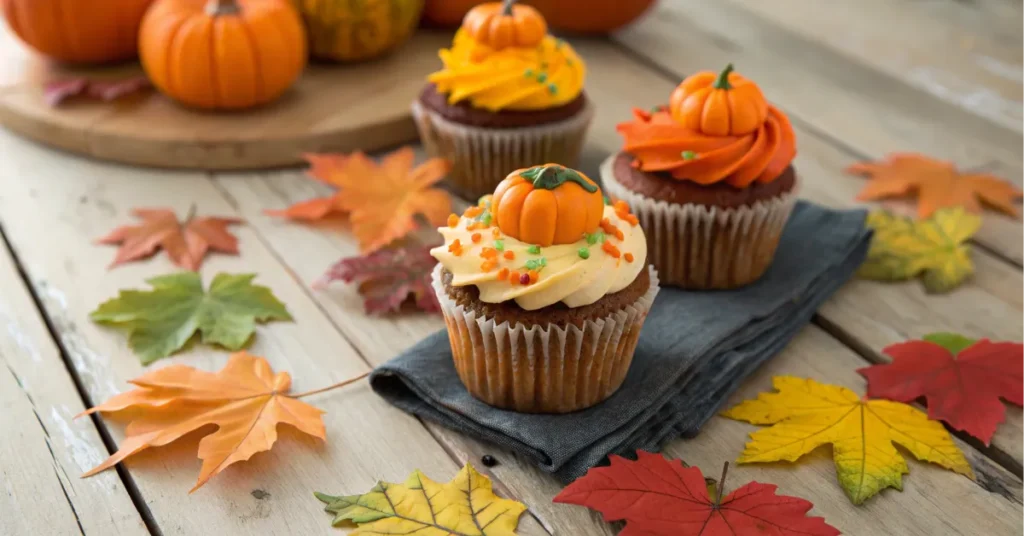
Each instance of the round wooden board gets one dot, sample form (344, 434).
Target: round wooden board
(333, 108)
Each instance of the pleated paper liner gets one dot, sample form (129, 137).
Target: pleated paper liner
(482, 157)
(543, 368)
(700, 247)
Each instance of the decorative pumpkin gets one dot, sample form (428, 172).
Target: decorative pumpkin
(447, 13)
(590, 16)
(501, 25)
(354, 30)
(547, 205)
(78, 31)
(228, 54)
(725, 104)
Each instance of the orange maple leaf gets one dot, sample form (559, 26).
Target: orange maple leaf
(185, 243)
(245, 400)
(936, 183)
(381, 200)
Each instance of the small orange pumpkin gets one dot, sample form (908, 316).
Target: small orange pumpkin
(230, 54)
(725, 104)
(545, 205)
(501, 25)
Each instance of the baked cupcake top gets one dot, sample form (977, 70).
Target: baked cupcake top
(717, 127)
(503, 59)
(545, 236)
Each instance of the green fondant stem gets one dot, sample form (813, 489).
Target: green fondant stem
(722, 82)
(551, 177)
(508, 7)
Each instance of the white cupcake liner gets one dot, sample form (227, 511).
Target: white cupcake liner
(543, 368)
(482, 157)
(701, 247)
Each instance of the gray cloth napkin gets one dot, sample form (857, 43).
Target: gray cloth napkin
(694, 351)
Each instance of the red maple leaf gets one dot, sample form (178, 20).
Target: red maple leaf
(55, 93)
(661, 497)
(185, 243)
(961, 379)
(387, 278)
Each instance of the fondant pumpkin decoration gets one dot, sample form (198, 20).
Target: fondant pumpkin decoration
(354, 30)
(547, 205)
(505, 24)
(725, 104)
(77, 31)
(590, 16)
(226, 54)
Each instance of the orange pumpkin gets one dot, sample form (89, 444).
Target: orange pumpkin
(546, 205)
(725, 104)
(228, 54)
(590, 16)
(78, 31)
(504, 24)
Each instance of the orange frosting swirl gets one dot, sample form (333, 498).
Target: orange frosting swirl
(660, 143)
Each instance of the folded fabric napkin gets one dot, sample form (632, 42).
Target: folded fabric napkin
(695, 350)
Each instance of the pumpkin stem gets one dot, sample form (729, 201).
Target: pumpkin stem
(722, 82)
(551, 177)
(217, 8)
(508, 7)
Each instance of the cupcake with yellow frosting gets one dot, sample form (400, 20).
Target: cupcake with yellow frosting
(544, 289)
(711, 178)
(509, 96)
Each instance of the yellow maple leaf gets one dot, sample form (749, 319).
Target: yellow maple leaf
(466, 506)
(934, 248)
(807, 414)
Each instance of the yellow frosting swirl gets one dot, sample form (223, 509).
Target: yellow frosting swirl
(535, 78)
(567, 275)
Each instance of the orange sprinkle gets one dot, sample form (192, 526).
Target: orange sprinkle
(473, 212)
(610, 249)
(534, 276)
(510, 255)
(455, 247)
(489, 253)
(476, 238)
(489, 265)
(495, 232)
(513, 277)
(621, 207)
(611, 229)
(502, 274)
(628, 257)
(476, 226)
(453, 220)
(631, 219)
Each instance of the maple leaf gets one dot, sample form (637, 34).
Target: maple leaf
(960, 378)
(937, 184)
(245, 400)
(807, 414)
(185, 243)
(903, 248)
(387, 278)
(162, 320)
(57, 92)
(465, 505)
(381, 200)
(661, 497)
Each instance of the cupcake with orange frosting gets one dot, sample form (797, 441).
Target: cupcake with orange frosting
(710, 177)
(544, 289)
(509, 96)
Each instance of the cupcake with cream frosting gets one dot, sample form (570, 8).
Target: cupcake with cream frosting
(710, 177)
(509, 95)
(544, 289)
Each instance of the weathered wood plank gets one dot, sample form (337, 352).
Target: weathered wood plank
(368, 440)
(854, 107)
(44, 449)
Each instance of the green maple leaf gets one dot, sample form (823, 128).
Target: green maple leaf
(161, 321)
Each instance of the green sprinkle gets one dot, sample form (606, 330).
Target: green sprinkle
(607, 200)
(689, 155)
(534, 249)
(595, 238)
(553, 89)
(584, 253)
(499, 245)
(532, 264)
(486, 217)
(542, 77)
(528, 73)
(543, 261)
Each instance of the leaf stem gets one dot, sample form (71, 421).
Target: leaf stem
(191, 214)
(721, 484)
(330, 387)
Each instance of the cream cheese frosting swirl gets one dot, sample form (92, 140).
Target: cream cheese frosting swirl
(514, 78)
(575, 274)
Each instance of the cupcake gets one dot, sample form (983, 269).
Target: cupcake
(710, 177)
(509, 96)
(544, 289)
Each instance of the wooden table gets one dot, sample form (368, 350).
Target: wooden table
(859, 78)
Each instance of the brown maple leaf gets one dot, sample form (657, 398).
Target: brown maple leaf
(185, 243)
(388, 277)
(937, 184)
(382, 200)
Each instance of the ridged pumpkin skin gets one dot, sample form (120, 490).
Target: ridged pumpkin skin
(78, 31)
(723, 104)
(501, 26)
(546, 205)
(356, 30)
(243, 54)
